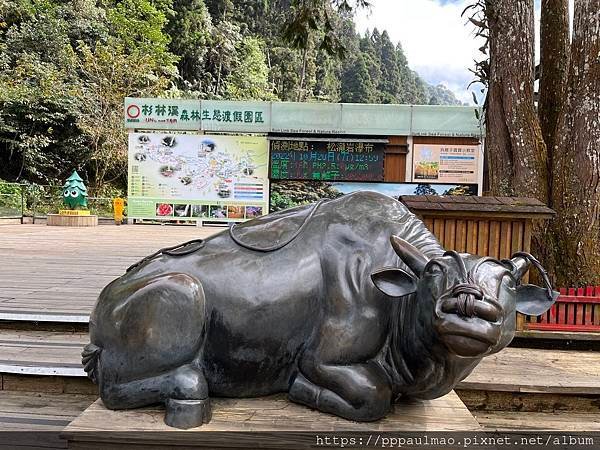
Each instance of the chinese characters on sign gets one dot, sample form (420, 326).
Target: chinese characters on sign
(253, 117)
(286, 117)
(326, 161)
(445, 163)
(162, 113)
(233, 116)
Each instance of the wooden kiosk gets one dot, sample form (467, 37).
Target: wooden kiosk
(485, 226)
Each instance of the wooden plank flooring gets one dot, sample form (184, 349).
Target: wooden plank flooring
(535, 370)
(56, 273)
(511, 370)
(560, 335)
(37, 419)
(42, 353)
(564, 421)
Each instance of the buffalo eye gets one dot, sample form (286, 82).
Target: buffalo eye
(435, 270)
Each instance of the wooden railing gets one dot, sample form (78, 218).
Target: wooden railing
(575, 310)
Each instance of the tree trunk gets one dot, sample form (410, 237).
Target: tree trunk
(575, 189)
(302, 73)
(516, 149)
(554, 66)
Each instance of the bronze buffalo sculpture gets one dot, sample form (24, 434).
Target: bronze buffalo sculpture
(347, 305)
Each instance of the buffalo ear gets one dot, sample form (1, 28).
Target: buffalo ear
(533, 300)
(394, 282)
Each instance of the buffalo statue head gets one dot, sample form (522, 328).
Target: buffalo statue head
(471, 300)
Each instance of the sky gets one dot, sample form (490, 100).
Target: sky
(439, 44)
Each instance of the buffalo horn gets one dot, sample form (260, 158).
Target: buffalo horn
(520, 263)
(410, 255)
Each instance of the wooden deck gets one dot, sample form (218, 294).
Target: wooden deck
(246, 422)
(512, 370)
(55, 274)
(38, 419)
(42, 353)
(559, 335)
(535, 370)
(564, 421)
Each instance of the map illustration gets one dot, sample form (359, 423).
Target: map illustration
(197, 176)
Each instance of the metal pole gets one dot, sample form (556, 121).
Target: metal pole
(22, 204)
(34, 207)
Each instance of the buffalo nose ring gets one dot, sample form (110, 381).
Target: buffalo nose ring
(466, 295)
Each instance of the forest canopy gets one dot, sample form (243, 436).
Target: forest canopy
(66, 66)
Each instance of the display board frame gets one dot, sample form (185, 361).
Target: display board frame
(216, 178)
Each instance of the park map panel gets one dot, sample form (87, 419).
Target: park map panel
(193, 177)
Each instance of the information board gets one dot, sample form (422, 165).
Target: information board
(329, 161)
(445, 163)
(197, 177)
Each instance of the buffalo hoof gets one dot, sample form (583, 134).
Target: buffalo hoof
(186, 414)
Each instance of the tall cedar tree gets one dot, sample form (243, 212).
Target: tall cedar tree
(554, 67)
(568, 176)
(576, 185)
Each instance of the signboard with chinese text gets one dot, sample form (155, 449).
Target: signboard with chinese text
(162, 114)
(289, 117)
(197, 177)
(250, 117)
(451, 163)
(327, 161)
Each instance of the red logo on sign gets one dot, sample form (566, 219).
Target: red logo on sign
(133, 111)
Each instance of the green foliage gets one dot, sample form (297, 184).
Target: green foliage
(109, 74)
(190, 29)
(250, 80)
(357, 86)
(425, 189)
(138, 25)
(287, 194)
(65, 67)
(38, 114)
(441, 95)
(10, 199)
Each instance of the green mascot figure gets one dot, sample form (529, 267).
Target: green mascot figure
(75, 192)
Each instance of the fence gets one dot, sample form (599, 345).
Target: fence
(575, 310)
(18, 201)
(12, 200)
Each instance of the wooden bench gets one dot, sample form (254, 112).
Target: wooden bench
(576, 310)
